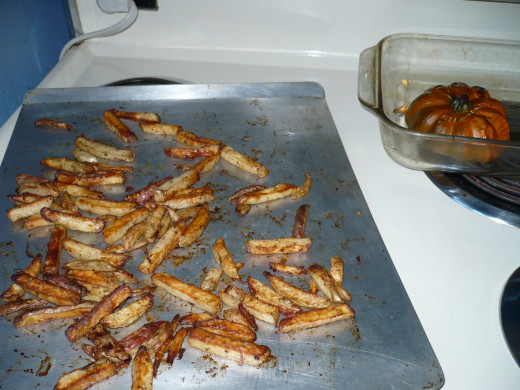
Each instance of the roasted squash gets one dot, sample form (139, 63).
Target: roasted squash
(458, 110)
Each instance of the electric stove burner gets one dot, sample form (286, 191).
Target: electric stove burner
(498, 199)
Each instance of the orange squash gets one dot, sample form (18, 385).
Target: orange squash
(458, 110)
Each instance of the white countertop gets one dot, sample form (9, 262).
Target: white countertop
(452, 262)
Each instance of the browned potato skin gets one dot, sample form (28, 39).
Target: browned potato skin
(139, 116)
(300, 221)
(15, 292)
(85, 377)
(45, 122)
(21, 304)
(227, 328)
(42, 314)
(176, 344)
(297, 295)
(142, 370)
(115, 124)
(224, 259)
(54, 247)
(193, 152)
(279, 245)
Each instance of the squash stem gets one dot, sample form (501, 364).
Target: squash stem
(460, 103)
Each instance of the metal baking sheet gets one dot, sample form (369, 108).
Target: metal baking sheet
(286, 126)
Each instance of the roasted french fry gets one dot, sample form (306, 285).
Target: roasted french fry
(105, 151)
(104, 345)
(336, 268)
(27, 209)
(104, 206)
(201, 298)
(138, 116)
(242, 162)
(75, 190)
(267, 294)
(206, 164)
(190, 319)
(313, 286)
(268, 194)
(191, 152)
(91, 179)
(189, 197)
(224, 259)
(50, 292)
(240, 351)
(261, 310)
(278, 245)
(191, 139)
(160, 128)
(20, 304)
(176, 345)
(146, 193)
(288, 269)
(73, 222)
(26, 197)
(166, 189)
(45, 122)
(99, 278)
(15, 292)
(129, 314)
(297, 295)
(118, 228)
(325, 282)
(227, 328)
(315, 317)
(65, 282)
(94, 265)
(83, 156)
(116, 125)
(234, 315)
(88, 376)
(81, 251)
(142, 370)
(161, 249)
(68, 165)
(54, 247)
(246, 314)
(143, 336)
(212, 278)
(304, 189)
(43, 314)
(133, 235)
(196, 227)
(300, 221)
(153, 223)
(164, 347)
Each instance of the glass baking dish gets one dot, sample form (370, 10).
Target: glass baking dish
(401, 67)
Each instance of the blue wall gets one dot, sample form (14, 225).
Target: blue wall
(32, 33)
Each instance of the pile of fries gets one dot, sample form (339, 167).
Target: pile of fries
(95, 290)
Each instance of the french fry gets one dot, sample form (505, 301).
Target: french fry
(105, 151)
(240, 351)
(212, 278)
(153, 223)
(224, 259)
(25, 179)
(300, 221)
(46, 122)
(75, 190)
(304, 189)
(268, 194)
(119, 227)
(146, 193)
(166, 189)
(85, 377)
(278, 245)
(227, 328)
(191, 139)
(242, 162)
(261, 310)
(66, 164)
(15, 292)
(316, 317)
(325, 282)
(313, 286)
(189, 197)
(267, 294)
(107, 305)
(73, 222)
(54, 247)
(196, 227)
(27, 209)
(142, 370)
(246, 314)
(138, 116)
(94, 265)
(91, 179)
(129, 314)
(65, 282)
(142, 336)
(297, 295)
(160, 128)
(176, 345)
(206, 164)
(165, 346)
(43, 314)
(336, 268)
(99, 278)
(119, 248)
(190, 319)
(288, 269)
(83, 156)
(165, 223)
(133, 235)
(35, 221)
(116, 125)
(242, 209)
(26, 197)
(68, 204)
(201, 298)
(44, 290)
(96, 293)
(234, 315)
(161, 249)
(81, 251)
(104, 206)
(191, 152)
(20, 304)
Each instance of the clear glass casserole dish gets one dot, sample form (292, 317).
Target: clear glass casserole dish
(401, 67)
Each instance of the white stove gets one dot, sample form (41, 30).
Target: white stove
(453, 262)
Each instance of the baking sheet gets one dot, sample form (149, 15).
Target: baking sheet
(286, 126)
